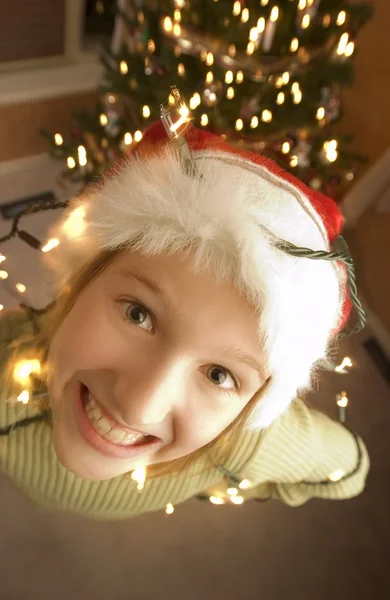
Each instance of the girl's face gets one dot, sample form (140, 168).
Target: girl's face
(154, 361)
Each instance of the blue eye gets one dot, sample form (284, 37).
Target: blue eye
(132, 315)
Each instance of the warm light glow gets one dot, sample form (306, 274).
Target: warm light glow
(236, 8)
(2, 258)
(50, 244)
(151, 46)
(1, 307)
(239, 124)
(209, 59)
(286, 147)
(245, 484)
(336, 475)
(253, 34)
(169, 509)
(232, 50)
(297, 97)
(280, 99)
(20, 287)
(229, 76)
(320, 113)
(111, 98)
(138, 136)
(343, 401)
(203, 55)
(145, 111)
(70, 161)
(254, 122)
(266, 116)
(24, 368)
(294, 44)
(181, 69)
(82, 156)
(58, 139)
(279, 82)
(180, 3)
(230, 93)
(326, 20)
(346, 363)
(293, 161)
(341, 17)
(286, 77)
(301, 4)
(295, 87)
(232, 491)
(245, 15)
(103, 119)
(209, 77)
(250, 48)
(74, 225)
(349, 49)
(274, 14)
(195, 101)
(3, 275)
(24, 397)
(264, 2)
(177, 51)
(139, 475)
(176, 29)
(216, 500)
(128, 138)
(342, 43)
(237, 499)
(204, 120)
(239, 76)
(123, 67)
(305, 21)
(168, 24)
(177, 15)
(261, 25)
(330, 148)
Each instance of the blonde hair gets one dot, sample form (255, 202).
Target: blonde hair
(218, 450)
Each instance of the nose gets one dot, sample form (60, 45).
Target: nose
(145, 395)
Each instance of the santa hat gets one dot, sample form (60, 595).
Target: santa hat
(231, 212)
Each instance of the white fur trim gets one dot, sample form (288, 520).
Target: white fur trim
(229, 219)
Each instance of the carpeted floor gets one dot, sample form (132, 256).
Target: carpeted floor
(321, 551)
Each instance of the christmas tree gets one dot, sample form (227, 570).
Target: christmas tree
(266, 75)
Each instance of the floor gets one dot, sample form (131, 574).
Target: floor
(322, 550)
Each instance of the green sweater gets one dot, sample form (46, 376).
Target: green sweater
(291, 460)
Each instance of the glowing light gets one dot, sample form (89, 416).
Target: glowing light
(330, 148)
(24, 368)
(209, 77)
(128, 138)
(138, 136)
(236, 8)
(145, 111)
(177, 15)
(253, 34)
(239, 124)
(297, 97)
(301, 4)
(349, 49)
(176, 29)
(326, 20)
(320, 113)
(70, 161)
(195, 101)
(82, 156)
(232, 491)
(209, 59)
(294, 44)
(295, 87)
(266, 116)
(111, 98)
(204, 120)
(279, 82)
(123, 67)
(139, 475)
(103, 119)
(169, 509)
(261, 25)
(181, 69)
(254, 122)
(250, 48)
(50, 244)
(341, 17)
(264, 2)
(274, 14)
(168, 24)
(24, 397)
(346, 363)
(3, 275)
(74, 225)
(230, 93)
(2, 258)
(245, 15)
(216, 500)
(293, 161)
(239, 76)
(232, 50)
(286, 147)
(336, 475)
(286, 77)
(245, 484)
(305, 21)
(1, 307)
(343, 402)
(203, 55)
(20, 287)
(237, 499)
(280, 98)
(58, 139)
(151, 46)
(342, 43)
(229, 76)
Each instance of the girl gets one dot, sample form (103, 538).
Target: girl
(184, 331)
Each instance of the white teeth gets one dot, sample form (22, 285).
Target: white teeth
(103, 425)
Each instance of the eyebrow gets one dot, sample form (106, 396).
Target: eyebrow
(241, 356)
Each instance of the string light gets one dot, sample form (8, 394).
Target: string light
(336, 475)
(169, 509)
(260, 25)
(179, 3)
(24, 397)
(236, 8)
(232, 50)
(254, 122)
(230, 93)
(177, 51)
(209, 59)
(305, 21)
(195, 101)
(280, 98)
(204, 120)
(349, 49)
(245, 15)
(346, 363)
(1, 307)
(239, 124)
(3, 275)
(342, 43)
(58, 139)
(330, 148)
(138, 136)
(293, 161)
(229, 76)
(250, 48)
(341, 17)
(210, 77)
(50, 244)
(264, 2)
(177, 15)
(294, 44)
(111, 98)
(168, 24)
(24, 368)
(128, 138)
(239, 76)
(74, 225)
(181, 69)
(146, 111)
(139, 475)
(21, 287)
(266, 116)
(274, 14)
(82, 156)
(2, 258)
(103, 119)
(123, 67)
(216, 500)
(320, 113)
(237, 499)
(286, 147)
(279, 82)
(253, 34)
(326, 20)
(70, 161)
(301, 4)
(176, 30)
(244, 484)
(286, 77)
(151, 46)
(295, 87)
(297, 97)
